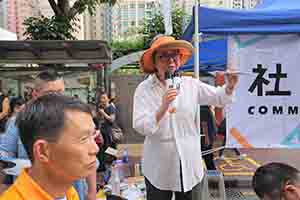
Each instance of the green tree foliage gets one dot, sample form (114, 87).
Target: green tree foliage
(155, 25)
(150, 29)
(124, 47)
(53, 28)
(63, 23)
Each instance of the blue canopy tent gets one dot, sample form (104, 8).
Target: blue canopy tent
(270, 17)
(213, 56)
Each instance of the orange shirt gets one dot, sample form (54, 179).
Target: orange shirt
(26, 188)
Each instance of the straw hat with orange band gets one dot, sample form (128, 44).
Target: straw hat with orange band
(165, 42)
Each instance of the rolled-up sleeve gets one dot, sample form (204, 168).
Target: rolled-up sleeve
(210, 95)
(144, 117)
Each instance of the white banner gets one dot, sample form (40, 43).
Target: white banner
(267, 110)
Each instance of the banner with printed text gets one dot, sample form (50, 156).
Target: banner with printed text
(266, 113)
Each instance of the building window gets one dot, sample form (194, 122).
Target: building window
(132, 5)
(125, 23)
(141, 5)
(149, 5)
(141, 13)
(132, 23)
(132, 14)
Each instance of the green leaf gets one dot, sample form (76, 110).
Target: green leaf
(155, 25)
(60, 27)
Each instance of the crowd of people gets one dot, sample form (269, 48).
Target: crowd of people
(66, 139)
(12, 145)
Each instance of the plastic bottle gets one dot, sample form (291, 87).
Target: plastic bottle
(121, 169)
(125, 155)
(137, 171)
(115, 180)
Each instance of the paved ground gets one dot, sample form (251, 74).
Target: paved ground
(244, 169)
(263, 156)
(233, 167)
(238, 172)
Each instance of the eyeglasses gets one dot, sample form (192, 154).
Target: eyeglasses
(166, 56)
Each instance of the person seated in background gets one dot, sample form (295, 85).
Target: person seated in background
(58, 133)
(277, 181)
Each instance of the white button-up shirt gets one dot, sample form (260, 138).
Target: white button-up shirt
(175, 138)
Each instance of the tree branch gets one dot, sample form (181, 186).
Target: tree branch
(64, 6)
(54, 7)
(76, 8)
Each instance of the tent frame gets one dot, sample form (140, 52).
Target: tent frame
(55, 52)
(79, 54)
(17, 57)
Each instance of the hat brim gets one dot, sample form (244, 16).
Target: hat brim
(185, 50)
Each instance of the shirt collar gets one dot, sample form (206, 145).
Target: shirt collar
(62, 198)
(155, 81)
(26, 185)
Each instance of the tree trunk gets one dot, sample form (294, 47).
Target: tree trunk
(64, 5)
(54, 7)
(74, 10)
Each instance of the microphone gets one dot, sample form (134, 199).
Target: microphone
(169, 79)
(173, 81)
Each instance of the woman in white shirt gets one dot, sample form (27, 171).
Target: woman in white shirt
(172, 151)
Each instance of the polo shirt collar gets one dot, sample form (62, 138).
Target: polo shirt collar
(27, 186)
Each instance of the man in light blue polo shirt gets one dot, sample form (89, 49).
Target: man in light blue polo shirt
(12, 147)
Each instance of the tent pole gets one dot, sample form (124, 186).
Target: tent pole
(197, 193)
(196, 41)
(196, 58)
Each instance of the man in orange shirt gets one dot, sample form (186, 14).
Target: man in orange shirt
(58, 134)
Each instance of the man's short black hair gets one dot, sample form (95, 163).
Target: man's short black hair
(271, 178)
(16, 101)
(45, 117)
